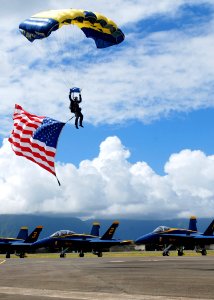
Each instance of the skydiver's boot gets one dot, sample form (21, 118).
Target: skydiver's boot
(81, 125)
(76, 127)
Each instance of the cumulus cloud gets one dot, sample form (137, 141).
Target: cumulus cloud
(109, 185)
(158, 72)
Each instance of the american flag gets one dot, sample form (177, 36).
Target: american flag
(35, 138)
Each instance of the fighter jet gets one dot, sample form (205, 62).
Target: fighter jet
(21, 244)
(180, 238)
(81, 243)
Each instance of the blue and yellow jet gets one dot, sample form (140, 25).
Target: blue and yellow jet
(179, 238)
(81, 243)
(21, 244)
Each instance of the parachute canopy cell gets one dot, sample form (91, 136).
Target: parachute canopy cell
(94, 25)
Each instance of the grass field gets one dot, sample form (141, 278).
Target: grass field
(112, 254)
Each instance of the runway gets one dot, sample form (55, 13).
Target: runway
(131, 278)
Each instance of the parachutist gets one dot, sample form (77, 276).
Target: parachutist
(76, 109)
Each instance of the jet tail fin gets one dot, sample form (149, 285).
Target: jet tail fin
(23, 233)
(110, 232)
(193, 224)
(33, 237)
(210, 229)
(95, 230)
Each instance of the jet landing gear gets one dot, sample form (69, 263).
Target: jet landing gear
(62, 255)
(7, 255)
(203, 251)
(81, 254)
(63, 252)
(180, 252)
(166, 250)
(98, 253)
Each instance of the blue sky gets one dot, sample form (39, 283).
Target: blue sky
(153, 142)
(146, 150)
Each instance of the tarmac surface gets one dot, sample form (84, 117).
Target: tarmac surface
(107, 278)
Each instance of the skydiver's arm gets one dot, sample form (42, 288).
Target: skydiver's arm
(70, 97)
(80, 98)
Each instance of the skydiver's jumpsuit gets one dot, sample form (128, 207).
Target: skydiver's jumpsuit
(77, 111)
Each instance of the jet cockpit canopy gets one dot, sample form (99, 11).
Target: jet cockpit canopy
(62, 233)
(161, 229)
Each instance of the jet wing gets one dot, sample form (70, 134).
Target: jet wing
(111, 243)
(193, 238)
(19, 246)
(185, 236)
(204, 238)
(179, 238)
(9, 242)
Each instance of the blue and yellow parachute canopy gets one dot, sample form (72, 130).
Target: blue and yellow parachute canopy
(94, 25)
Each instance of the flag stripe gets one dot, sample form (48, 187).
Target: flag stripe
(35, 153)
(25, 131)
(27, 116)
(26, 141)
(35, 137)
(38, 163)
(20, 111)
(26, 123)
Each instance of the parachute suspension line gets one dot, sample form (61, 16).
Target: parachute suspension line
(63, 47)
(73, 33)
(48, 51)
(55, 50)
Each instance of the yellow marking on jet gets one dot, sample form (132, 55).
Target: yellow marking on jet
(111, 231)
(34, 235)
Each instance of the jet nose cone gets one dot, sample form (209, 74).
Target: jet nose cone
(143, 239)
(138, 241)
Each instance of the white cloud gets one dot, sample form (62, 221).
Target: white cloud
(156, 74)
(110, 186)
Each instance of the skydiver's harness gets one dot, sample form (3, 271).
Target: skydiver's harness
(72, 106)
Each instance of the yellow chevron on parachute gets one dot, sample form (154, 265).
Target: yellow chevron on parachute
(68, 16)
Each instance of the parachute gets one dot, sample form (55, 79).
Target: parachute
(102, 30)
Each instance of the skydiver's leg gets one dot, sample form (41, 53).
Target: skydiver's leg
(81, 119)
(76, 120)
